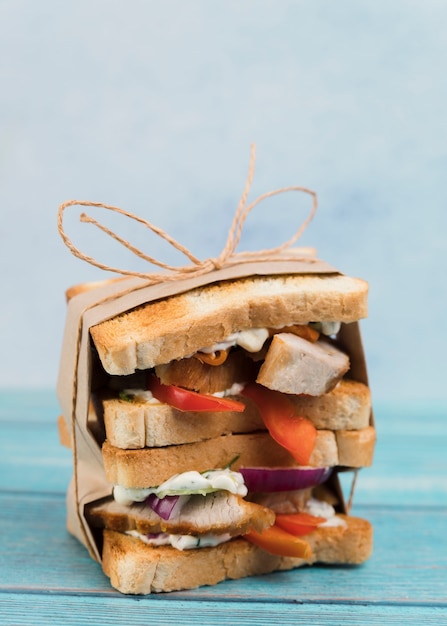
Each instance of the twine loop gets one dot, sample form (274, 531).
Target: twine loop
(196, 267)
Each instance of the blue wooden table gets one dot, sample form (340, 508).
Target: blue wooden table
(46, 577)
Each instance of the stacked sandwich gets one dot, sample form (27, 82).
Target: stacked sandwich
(228, 411)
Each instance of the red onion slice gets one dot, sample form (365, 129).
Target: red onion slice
(265, 479)
(166, 507)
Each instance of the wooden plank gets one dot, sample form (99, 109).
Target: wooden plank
(46, 577)
(45, 610)
(410, 462)
(28, 405)
(31, 457)
(410, 555)
(408, 469)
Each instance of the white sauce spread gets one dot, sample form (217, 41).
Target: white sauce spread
(327, 328)
(319, 508)
(187, 483)
(234, 390)
(143, 395)
(251, 340)
(181, 542)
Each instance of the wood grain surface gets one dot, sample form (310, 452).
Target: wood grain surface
(46, 577)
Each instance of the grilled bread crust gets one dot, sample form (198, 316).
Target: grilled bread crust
(177, 326)
(149, 467)
(136, 568)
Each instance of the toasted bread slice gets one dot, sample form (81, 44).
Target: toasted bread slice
(136, 568)
(149, 467)
(180, 325)
(140, 424)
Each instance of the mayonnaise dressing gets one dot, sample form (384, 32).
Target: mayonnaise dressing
(327, 328)
(182, 542)
(251, 340)
(143, 395)
(318, 508)
(187, 483)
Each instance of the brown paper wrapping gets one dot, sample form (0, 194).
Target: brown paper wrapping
(75, 375)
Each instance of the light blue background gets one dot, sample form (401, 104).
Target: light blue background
(152, 106)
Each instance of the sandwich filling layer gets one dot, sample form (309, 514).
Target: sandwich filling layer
(186, 484)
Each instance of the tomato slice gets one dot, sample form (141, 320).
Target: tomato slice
(186, 400)
(277, 541)
(295, 433)
(299, 524)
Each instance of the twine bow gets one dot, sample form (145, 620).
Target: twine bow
(226, 258)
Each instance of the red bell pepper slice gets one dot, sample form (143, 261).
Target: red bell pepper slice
(299, 524)
(295, 433)
(277, 541)
(186, 400)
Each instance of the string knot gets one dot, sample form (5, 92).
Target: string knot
(216, 263)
